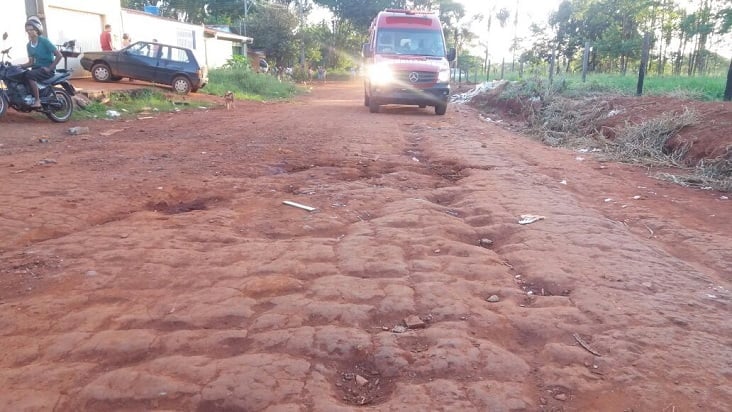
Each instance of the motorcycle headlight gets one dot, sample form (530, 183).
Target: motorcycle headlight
(443, 76)
(381, 74)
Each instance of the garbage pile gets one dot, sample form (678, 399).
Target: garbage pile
(467, 97)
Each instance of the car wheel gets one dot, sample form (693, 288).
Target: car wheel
(441, 109)
(101, 72)
(182, 85)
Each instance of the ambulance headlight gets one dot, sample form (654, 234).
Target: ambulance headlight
(381, 74)
(443, 76)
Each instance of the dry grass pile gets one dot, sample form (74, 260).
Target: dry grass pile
(647, 142)
(715, 174)
(578, 122)
(569, 122)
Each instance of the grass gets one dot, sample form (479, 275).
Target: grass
(128, 104)
(248, 85)
(243, 82)
(707, 88)
(697, 88)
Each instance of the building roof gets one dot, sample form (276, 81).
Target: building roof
(224, 35)
(211, 32)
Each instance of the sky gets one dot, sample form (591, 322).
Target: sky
(530, 11)
(500, 38)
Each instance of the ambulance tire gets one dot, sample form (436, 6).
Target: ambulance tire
(373, 106)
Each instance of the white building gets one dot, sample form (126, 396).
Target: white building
(84, 20)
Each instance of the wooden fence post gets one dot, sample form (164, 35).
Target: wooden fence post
(643, 64)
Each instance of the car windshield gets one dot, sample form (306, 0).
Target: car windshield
(143, 49)
(412, 42)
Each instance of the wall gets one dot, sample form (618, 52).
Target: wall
(218, 52)
(146, 27)
(82, 21)
(12, 21)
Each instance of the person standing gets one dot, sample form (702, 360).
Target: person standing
(126, 40)
(41, 61)
(105, 39)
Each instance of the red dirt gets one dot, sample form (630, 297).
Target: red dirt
(156, 267)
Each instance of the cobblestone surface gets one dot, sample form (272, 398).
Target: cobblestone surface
(158, 269)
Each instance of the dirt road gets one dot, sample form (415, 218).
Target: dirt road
(152, 265)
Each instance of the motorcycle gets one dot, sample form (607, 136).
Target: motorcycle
(55, 92)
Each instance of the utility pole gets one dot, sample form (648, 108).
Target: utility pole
(246, 14)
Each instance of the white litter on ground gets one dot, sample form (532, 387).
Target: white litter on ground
(481, 88)
(527, 219)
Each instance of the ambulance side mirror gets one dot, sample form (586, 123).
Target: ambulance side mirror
(451, 54)
(366, 50)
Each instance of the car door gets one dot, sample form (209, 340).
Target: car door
(139, 61)
(172, 60)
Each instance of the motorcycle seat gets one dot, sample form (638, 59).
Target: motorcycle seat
(57, 76)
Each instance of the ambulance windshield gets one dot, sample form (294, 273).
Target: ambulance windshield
(411, 42)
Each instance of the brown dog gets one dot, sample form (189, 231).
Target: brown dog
(229, 100)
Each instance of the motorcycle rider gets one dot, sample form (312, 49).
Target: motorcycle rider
(41, 53)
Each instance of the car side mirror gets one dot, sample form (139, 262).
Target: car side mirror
(451, 54)
(366, 50)
(5, 36)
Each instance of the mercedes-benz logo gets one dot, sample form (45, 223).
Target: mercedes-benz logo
(414, 77)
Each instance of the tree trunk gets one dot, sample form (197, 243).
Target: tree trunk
(728, 89)
(585, 61)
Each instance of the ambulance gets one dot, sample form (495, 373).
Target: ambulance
(406, 62)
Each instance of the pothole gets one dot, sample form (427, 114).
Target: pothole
(541, 287)
(450, 171)
(172, 207)
(361, 383)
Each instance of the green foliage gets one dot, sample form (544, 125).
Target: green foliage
(131, 104)
(238, 62)
(358, 12)
(273, 30)
(247, 84)
(300, 74)
(615, 30)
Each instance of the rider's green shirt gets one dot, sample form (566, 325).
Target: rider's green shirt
(42, 52)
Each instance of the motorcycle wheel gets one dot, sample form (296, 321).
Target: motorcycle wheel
(60, 109)
(3, 104)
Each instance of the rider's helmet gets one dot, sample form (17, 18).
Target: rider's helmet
(35, 22)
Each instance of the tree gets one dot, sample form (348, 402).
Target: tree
(357, 12)
(728, 88)
(725, 16)
(273, 30)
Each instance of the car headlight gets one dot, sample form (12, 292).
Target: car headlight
(443, 76)
(381, 74)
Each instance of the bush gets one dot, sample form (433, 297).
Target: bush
(247, 84)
